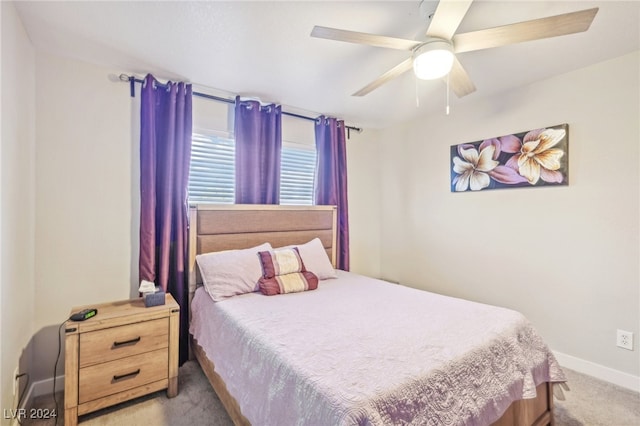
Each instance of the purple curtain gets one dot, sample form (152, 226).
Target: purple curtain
(165, 151)
(258, 138)
(331, 178)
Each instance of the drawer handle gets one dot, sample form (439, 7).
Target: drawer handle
(126, 376)
(126, 342)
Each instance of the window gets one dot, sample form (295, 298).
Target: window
(212, 171)
(297, 172)
(212, 176)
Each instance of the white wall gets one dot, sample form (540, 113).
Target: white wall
(567, 257)
(17, 183)
(363, 178)
(84, 214)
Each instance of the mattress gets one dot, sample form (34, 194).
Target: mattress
(360, 351)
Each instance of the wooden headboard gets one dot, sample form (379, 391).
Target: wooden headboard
(237, 226)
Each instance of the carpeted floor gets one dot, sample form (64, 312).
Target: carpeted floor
(593, 402)
(590, 402)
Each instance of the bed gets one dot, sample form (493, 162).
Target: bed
(356, 350)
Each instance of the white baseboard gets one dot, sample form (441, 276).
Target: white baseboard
(38, 388)
(620, 378)
(45, 386)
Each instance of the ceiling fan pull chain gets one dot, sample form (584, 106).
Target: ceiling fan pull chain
(417, 97)
(447, 109)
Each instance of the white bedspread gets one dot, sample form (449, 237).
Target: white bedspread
(359, 351)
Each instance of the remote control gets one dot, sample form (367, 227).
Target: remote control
(84, 314)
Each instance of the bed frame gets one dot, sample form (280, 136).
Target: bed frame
(226, 227)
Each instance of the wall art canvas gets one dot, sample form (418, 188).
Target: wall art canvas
(533, 158)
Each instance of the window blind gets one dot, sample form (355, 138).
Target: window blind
(212, 176)
(297, 172)
(212, 171)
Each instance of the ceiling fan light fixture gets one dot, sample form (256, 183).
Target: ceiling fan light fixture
(433, 59)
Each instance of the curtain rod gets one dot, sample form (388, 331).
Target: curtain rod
(132, 80)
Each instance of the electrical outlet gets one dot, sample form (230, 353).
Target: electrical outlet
(624, 339)
(15, 379)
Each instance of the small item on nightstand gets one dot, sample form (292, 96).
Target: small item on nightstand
(151, 294)
(154, 299)
(84, 314)
(146, 287)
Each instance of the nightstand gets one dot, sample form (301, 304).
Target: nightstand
(125, 351)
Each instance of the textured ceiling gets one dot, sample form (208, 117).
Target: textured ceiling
(263, 49)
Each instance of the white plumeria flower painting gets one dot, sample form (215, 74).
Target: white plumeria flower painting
(532, 158)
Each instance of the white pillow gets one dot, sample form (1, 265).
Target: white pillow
(315, 259)
(229, 273)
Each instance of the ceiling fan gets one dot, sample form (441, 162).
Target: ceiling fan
(436, 56)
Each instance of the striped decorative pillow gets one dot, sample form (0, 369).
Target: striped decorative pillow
(288, 283)
(281, 262)
(283, 272)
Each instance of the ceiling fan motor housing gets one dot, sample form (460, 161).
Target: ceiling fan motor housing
(433, 59)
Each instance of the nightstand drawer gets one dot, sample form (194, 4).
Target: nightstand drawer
(123, 341)
(120, 375)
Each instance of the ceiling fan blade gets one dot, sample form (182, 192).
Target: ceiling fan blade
(552, 26)
(447, 18)
(402, 67)
(460, 81)
(363, 38)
